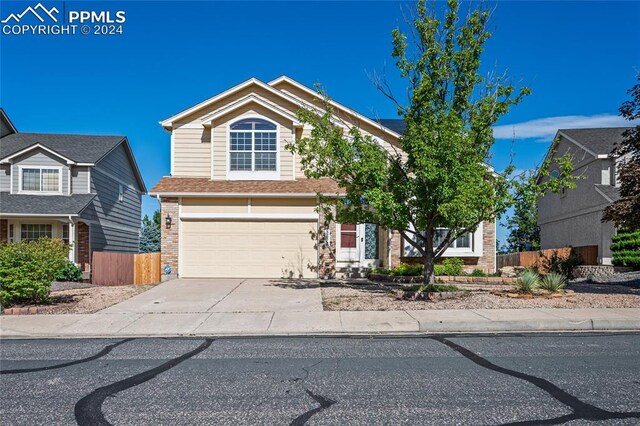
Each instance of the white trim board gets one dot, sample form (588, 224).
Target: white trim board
(250, 216)
(236, 194)
(31, 148)
(252, 98)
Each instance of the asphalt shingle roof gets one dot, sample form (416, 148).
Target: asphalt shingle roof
(601, 141)
(396, 124)
(43, 204)
(193, 185)
(79, 148)
(611, 192)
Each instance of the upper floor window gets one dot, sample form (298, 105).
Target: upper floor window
(253, 146)
(37, 179)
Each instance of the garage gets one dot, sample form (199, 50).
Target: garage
(248, 248)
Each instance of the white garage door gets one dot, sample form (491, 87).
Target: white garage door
(251, 249)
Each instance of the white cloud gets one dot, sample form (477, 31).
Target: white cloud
(544, 129)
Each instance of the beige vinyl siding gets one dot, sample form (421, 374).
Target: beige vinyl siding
(283, 205)
(192, 151)
(248, 249)
(214, 205)
(220, 137)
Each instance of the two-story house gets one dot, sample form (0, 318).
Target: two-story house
(573, 217)
(237, 203)
(84, 189)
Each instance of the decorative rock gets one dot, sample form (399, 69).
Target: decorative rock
(511, 271)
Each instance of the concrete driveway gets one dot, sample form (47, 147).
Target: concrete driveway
(224, 295)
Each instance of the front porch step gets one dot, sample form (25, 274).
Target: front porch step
(353, 271)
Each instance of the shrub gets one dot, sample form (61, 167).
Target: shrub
(69, 272)
(432, 288)
(450, 266)
(381, 271)
(404, 270)
(28, 268)
(626, 248)
(478, 273)
(562, 265)
(528, 281)
(553, 282)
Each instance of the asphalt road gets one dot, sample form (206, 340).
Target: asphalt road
(542, 379)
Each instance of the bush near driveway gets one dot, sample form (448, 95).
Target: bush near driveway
(27, 269)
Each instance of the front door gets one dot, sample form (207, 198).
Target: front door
(357, 243)
(348, 242)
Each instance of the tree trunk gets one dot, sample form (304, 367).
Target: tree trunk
(429, 277)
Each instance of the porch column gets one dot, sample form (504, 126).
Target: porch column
(73, 240)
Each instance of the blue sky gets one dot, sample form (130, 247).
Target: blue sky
(578, 58)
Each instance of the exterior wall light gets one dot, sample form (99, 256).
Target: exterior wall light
(167, 221)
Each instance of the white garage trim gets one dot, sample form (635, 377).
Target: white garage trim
(250, 216)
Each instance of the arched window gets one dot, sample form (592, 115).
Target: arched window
(253, 146)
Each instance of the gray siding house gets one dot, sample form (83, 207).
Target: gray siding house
(84, 189)
(573, 217)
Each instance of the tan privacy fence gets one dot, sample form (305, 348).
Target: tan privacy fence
(110, 268)
(529, 259)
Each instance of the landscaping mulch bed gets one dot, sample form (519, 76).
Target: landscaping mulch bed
(81, 298)
(365, 295)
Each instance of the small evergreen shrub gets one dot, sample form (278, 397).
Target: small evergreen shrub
(27, 269)
(69, 272)
(478, 273)
(553, 282)
(626, 248)
(528, 282)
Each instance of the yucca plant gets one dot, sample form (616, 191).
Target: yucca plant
(553, 282)
(528, 281)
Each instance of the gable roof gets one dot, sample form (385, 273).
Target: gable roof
(77, 148)
(252, 81)
(334, 104)
(610, 193)
(62, 205)
(6, 126)
(74, 149)
(168, 123)
(597, 141)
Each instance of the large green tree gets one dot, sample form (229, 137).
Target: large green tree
(522, 223)
(150, 234)
(625, 212)
(438, 179)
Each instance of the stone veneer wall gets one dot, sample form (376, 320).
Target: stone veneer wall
(327, 251)
(169, 237)
(4, 230)
(83, 249)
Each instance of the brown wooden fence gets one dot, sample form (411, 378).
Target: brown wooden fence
(110, 268)
(528, 259)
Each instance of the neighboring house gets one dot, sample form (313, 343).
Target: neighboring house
(573, 217)
(84, 189)
(237, 203)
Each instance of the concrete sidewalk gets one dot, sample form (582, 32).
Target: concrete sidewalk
(114, 323)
